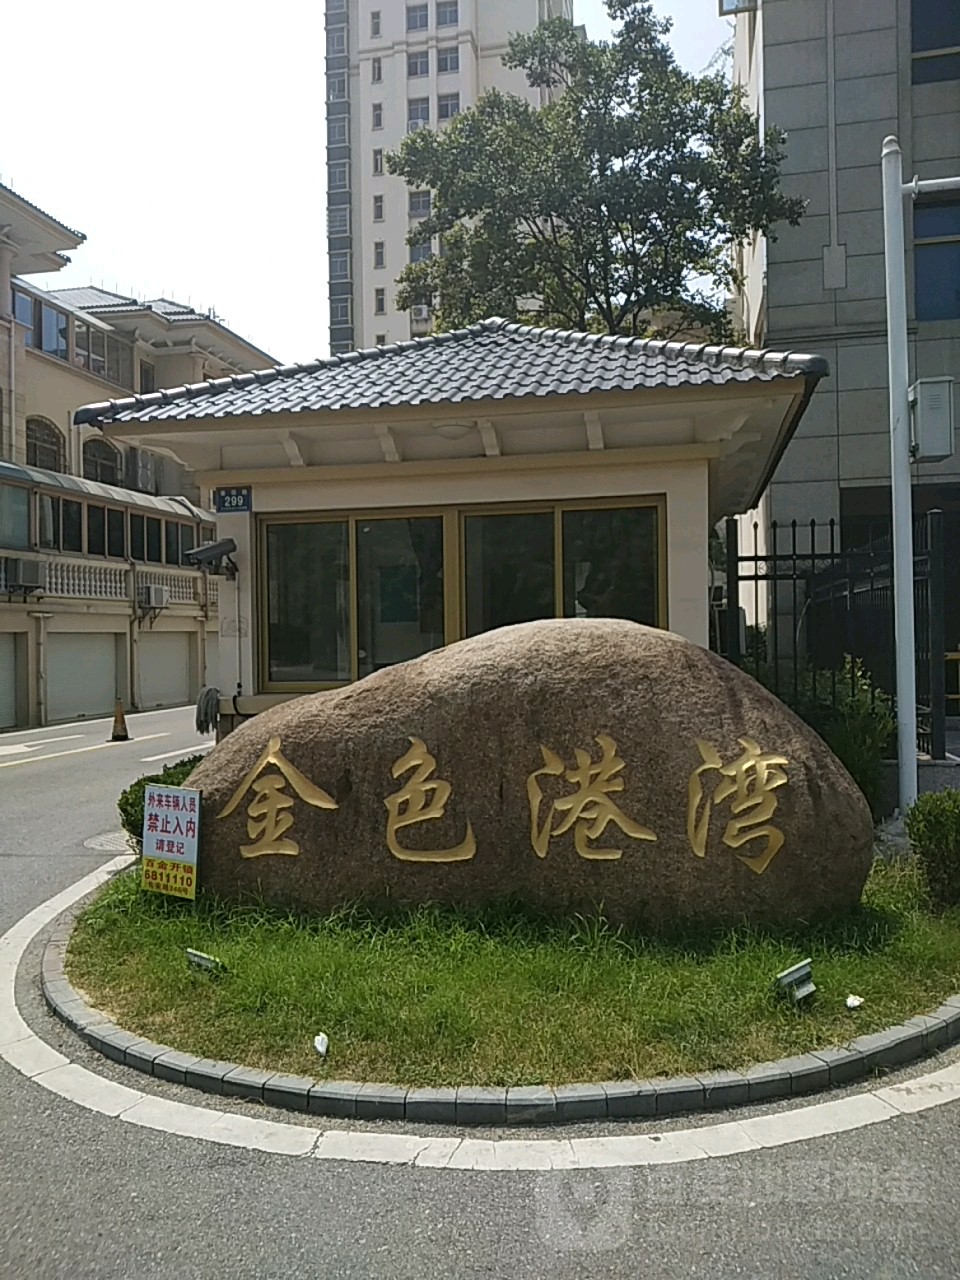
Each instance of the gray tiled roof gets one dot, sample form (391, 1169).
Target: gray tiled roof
(77, 235)
(491, 360)
(89, 298)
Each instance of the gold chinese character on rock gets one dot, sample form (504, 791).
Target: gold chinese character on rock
(418, 800)
(589, 810)
(267, 819)
(749, 783)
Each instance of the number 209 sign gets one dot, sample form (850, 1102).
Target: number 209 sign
(171, 827)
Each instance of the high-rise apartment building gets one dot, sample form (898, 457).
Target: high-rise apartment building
(838, 76)
(393, 67)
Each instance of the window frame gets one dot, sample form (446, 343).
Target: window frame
(454, 564)
(421, 11)
(446, 53)
(379, 255)
(378, 204)
(445, 6)
(418, 64)
(377, 162)
(34, 422)
(380, 302)
(922, 242)
(376, 24)
(376, 70)
(444, 102)
(376, 116)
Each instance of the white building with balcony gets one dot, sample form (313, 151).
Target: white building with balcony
(393, 67)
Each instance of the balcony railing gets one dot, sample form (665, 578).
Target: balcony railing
(80, 578)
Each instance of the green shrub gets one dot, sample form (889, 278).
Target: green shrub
(858, 727)
(933, 825)
(130, 803)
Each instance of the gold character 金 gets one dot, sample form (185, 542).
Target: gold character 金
(589, 810)
(267, 819)
(749, 784)
(421, 798)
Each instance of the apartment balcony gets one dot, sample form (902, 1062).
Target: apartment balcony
(35, 576)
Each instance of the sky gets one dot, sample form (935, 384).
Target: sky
(189, 148)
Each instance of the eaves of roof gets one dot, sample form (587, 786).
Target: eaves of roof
(28, 204)
(494, 359)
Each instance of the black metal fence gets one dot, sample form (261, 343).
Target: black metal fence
(813, 604)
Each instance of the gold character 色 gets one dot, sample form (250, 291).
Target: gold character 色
(749, 783)
(267, 818)
(421, 798)
(589, 809)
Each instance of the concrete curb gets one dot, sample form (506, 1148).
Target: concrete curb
(468, 1105)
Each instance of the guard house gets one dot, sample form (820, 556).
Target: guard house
(388, 501)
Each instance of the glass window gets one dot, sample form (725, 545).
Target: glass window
(186, 540)
(936, 231)
(936, 24)
(98, 353)
(337, 131)
(137, 545)
(418, 64)
(340, 311)
(23, 310)
(148, 378)
(48, 510)
(379, 301)
(418, 17)
(338, 176)
(376, 70)
(45, 445)
(448, 59)
(377, 161)
(308, 603)
(448, 106)
(14, 517)
(339, 266)
(72, 526)
(96, 530)
(337, 88)
(53, 331)
(418, 113)
(380, 340)
(154, 540)
(375, 23)
(338, 220)
(171, 542)
(119, 361)
(419, 204)
(509, 562)
(610, 567)
(101, 461)
(420, 252)
(336, 6)
(932, 70)
(379, 254)
(116, 536)
(399, 590)
(336, 41)
(378, 115)
(448, 13)
(378, 208)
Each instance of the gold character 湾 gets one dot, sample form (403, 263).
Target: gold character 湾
(589, 810)
(749, 783)
(418, 800)
(267, 819)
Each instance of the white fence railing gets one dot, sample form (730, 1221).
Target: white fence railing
(78, 578)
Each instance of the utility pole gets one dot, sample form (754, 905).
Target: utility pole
(895, 192)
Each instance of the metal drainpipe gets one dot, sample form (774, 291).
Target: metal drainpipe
(42, 619)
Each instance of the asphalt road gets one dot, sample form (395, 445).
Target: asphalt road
(85, 1196)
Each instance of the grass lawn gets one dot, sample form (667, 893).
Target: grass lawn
(439, 997)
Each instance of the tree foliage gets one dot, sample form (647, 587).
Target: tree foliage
(618, 200)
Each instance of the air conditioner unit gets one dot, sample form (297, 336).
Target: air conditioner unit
(420, 313)
(152, 597)
(414, 125)
(28, 576)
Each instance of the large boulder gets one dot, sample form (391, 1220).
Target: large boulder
(575, 764)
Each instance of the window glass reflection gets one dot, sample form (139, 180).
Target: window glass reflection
(399, 590)
(308, 587)
(610, 564)
(509, 562)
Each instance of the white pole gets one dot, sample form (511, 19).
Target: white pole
(899, 377)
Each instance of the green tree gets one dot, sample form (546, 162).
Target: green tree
(619, 200)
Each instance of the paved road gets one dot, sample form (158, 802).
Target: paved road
(85, 1196)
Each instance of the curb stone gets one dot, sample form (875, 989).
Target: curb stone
(818, 1070)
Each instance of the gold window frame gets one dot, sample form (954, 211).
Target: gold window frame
(454, 564)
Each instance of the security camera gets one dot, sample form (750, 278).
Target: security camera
(210, 555)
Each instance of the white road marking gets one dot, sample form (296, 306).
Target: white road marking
(18, 748)
(89, 724)
(76, 751)
(184, 751)
(39, 1062)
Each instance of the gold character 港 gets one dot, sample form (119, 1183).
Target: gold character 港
(418, 800)
(589, 810)
(267, 821)
(749, 783)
